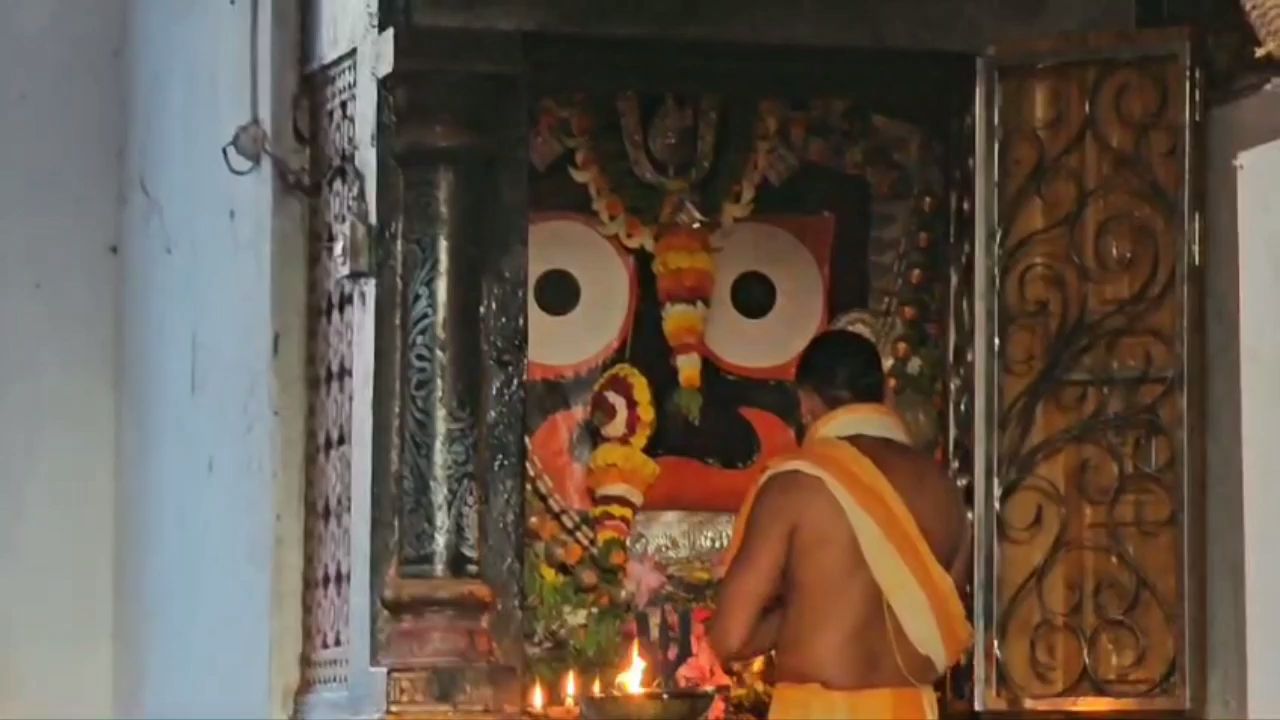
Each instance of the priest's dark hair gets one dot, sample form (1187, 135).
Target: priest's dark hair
(842, 367)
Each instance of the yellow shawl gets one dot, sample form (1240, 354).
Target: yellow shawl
(916, 587)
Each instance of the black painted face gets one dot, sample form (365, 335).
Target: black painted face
(576, 330)
(723, 438)
(593, 304)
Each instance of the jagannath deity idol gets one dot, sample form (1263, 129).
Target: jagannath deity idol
(682, 253)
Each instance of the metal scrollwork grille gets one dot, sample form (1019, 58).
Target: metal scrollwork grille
(1087, 371)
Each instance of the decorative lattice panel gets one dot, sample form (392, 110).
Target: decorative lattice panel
(1089, 425)
(327, 576)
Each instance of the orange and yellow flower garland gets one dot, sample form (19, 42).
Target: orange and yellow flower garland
(616, 220)
(685, 272)
(741, 202)
(619, 473)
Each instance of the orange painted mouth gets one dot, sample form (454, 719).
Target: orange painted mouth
(682, 484)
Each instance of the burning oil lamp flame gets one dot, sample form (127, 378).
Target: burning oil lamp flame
(570, 689)
(631, 680)
(536, 699)
(595, 688)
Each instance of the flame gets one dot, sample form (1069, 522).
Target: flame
(595, 688)
(570, 689)
(632, 679)
(536, 699)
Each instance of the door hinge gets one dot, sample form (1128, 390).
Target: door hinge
(1197, 234)
(1197, 91)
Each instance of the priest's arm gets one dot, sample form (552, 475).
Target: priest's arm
(748, 609)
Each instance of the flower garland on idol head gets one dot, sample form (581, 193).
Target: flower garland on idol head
(675, 234)
(684, 269)
(684, 266)
(616, 219)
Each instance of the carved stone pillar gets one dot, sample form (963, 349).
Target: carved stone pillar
(452, 454)
(439, 505)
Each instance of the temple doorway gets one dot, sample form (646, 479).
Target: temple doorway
(696, 216)
(845, 197)
(600, 256)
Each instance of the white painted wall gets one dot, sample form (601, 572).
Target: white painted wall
(208, 592)
(1233, 128)
(1259, 220)
(60, 133)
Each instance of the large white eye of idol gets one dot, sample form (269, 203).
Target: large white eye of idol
(769, 299)
(580, 296)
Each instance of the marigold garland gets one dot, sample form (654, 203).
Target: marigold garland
(741, 201)
(622, 406)
(623, 222)
(622, 464)
(609, 207)
(619, 473)
(685, 272)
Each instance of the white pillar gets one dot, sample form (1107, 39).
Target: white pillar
(1258, 184)
(208, 617)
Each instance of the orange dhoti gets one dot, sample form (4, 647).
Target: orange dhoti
(814, 702)
(916, 588)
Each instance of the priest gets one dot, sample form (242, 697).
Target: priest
(848, 555)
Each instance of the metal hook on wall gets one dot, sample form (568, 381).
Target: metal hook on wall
(249, 142)
(340, 190)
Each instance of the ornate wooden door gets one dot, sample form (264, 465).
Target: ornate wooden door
(1084, 359)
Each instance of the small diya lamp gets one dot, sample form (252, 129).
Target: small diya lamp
(570, 689)
(539, 707)
(537, 701)
(569, 710)
(632, 701)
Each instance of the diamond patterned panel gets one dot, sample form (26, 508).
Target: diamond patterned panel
(327, 573)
